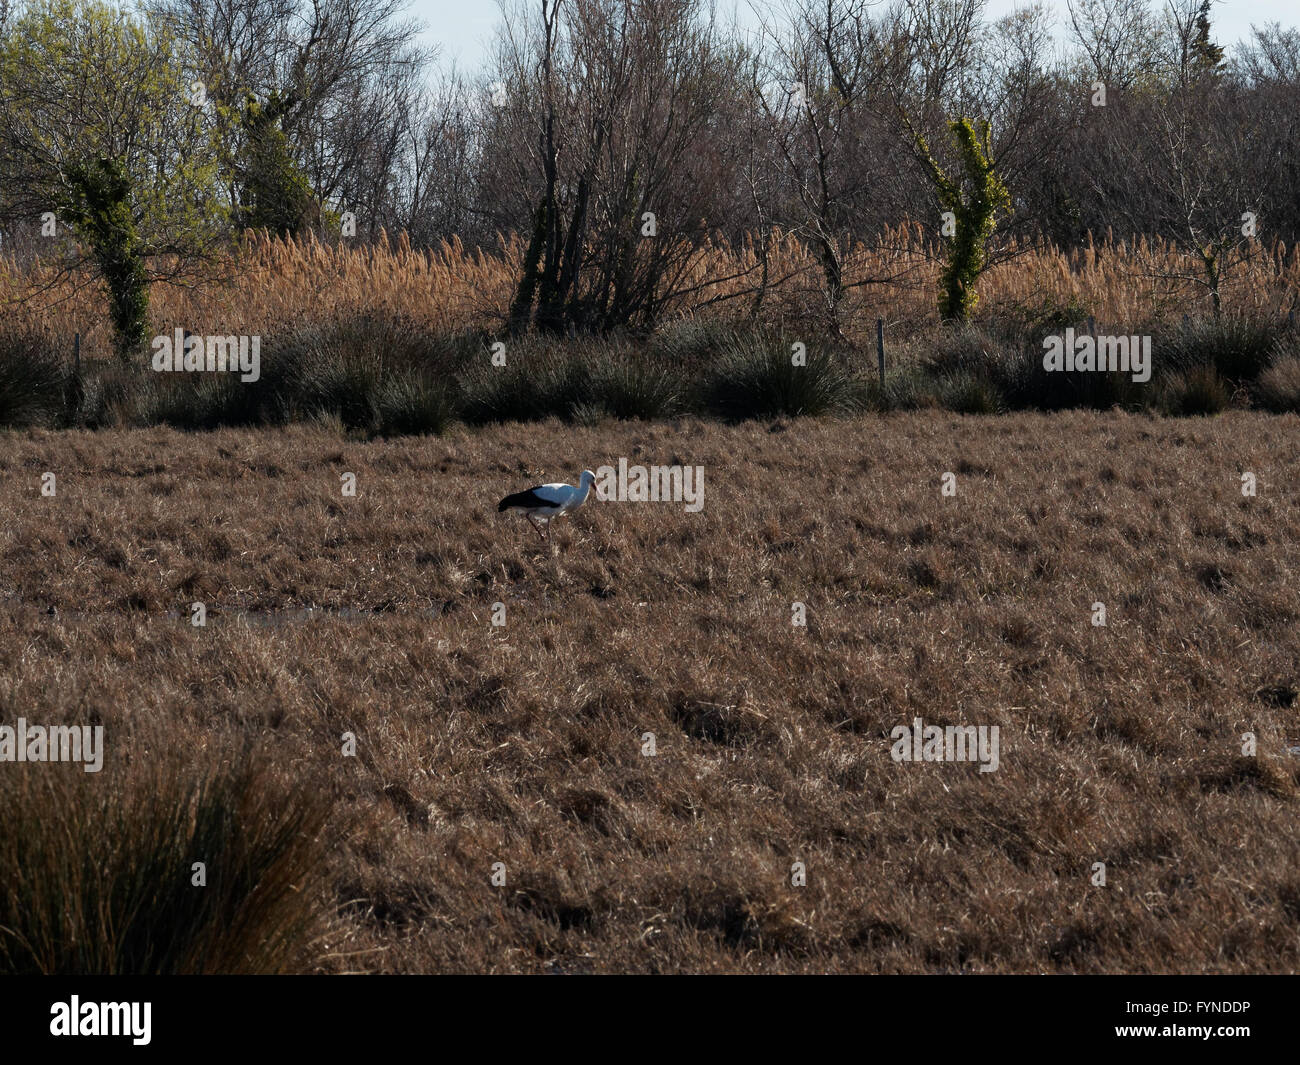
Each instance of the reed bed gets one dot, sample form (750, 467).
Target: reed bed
(269, 285)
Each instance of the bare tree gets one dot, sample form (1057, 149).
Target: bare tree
(1186, 155)
(814, 85)
(606, 136)
(1118, 39)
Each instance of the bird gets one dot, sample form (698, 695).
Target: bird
(549, 501)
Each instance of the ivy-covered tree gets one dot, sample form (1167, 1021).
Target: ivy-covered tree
(105, 144)
(974, 200)
(97, 205)
(318, 102)
(277, 195)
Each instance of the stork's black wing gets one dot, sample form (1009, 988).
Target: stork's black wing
(524, 500)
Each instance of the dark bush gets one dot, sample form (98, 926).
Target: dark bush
(35, 377)
(1238, 349)
(1198, 391)
(755, 377)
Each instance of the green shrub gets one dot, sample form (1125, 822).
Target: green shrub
(975, 203)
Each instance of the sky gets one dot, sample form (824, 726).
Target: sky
(462, 28)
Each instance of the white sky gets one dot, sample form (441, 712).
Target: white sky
(462, 27)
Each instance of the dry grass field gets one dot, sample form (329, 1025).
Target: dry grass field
(522, 743)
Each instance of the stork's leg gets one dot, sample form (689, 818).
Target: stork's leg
(536, 528)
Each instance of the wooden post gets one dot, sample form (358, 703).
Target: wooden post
(76, 353)
(880, 350)
(1092, 326)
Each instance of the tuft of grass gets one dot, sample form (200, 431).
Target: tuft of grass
(112, 394)
(637, 388)
(539, 380)
(96, 872)
(692, 343)
(966, 349)
(34, 379)
(411, 405)
(1237, 348)
(905, 390)
(755, 377)
(188, 401)
(383, 374)
(983, 369)
(1198, 391)
(1278, 387)
(371, 374)
(588, 414)
(969, 393)
(1054, 313)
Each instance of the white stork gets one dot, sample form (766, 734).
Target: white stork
(549, 501)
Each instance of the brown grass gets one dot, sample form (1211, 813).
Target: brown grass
(522, 744)
(275, 284)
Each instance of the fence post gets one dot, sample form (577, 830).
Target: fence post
(1092, 326)
(76, 353)
(880, 350)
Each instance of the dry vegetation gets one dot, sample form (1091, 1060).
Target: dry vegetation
(276, 284)
(522, 744)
